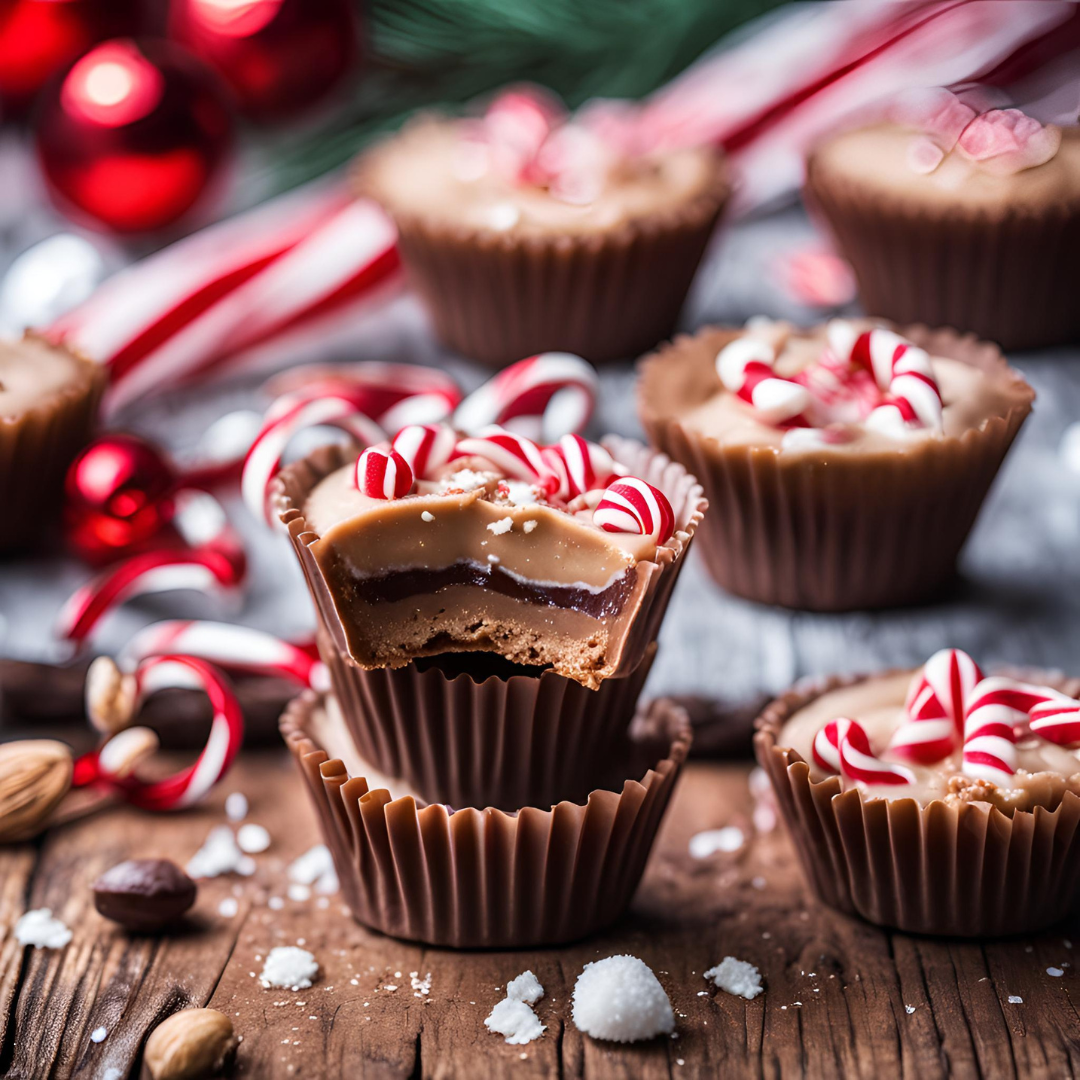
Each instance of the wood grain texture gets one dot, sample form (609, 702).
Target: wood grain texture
(843, 999)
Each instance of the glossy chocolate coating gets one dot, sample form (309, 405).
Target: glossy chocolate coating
(144, 894)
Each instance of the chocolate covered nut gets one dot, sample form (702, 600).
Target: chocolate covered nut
(144, 894)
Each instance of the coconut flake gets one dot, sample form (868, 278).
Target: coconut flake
(620, 999)
(736, 977)
(289, 967)
(40, 929)
(503, 525)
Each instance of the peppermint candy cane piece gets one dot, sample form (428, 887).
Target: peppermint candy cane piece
(580, 466)
(631, 505)
(544, 397)
(191, 784)
(383, 474)
(842, 746)
(745, 367)
(990, 733)
(936, 707)
(1057, 720)
(426, 447)
(515, 456)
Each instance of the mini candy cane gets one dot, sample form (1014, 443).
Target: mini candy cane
(236, 649)
(215, 564)
(842, 746)
(996, 706)
(544, 397)
(383, 474)
(515, 456)
(902, 371)
(119, 699)
(516, 125)
(936, 707)
(579, 465)
(630, 505)
(1057, 720)
(426, 447)
(745, 367)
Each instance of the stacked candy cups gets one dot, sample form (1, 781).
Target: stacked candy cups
(471, 802)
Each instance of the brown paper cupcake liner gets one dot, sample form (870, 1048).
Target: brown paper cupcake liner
(1010, 277)
(473, 730)
(497, 297)
(629, 634)
(472, 878)
(35, 452)
(860, 531)
(962, 868)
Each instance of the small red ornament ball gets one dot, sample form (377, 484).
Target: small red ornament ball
(119, 493)
(134, 135)
(279, 57)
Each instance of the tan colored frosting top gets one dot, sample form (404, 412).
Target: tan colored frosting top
(970, 395)
(877, 158)
(429, 170)
(878, 705)
(31, 371)
(532, 540)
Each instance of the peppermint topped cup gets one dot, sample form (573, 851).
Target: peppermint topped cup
(953, 214)
(526, 229)
(846, 463)
(941, 800)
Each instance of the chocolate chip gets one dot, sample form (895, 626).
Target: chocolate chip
(144, 894)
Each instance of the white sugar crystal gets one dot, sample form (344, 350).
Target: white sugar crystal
(98, 1034)
(515, 1021)
(736, 977)
(275, 903)
(315, 867)
(427, 515)
(1015, 999)
(526, 987)
(299, 892)
(704, 844)
(218, 855)
(229, 907)
(520, 493)
(236, 806)
(503, 525)
(909, 1009)
(530, 525)
(620, 999)
(1056, 972)
(252, 838)
(466, 480)
(40, 929)
(289, 967)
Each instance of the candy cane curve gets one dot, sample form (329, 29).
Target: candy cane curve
(580, 466)
(382, 474)
(745, 367)
(515, 456)
(842, 746)
(632, 505)
(1057, 720)
(426, 447)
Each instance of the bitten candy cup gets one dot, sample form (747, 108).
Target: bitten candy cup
(486, 878)
(964, 869)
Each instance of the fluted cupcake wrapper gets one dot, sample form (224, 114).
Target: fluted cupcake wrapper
(485, 878)
(462, 735)
(963, 868)
(862, 531)
(1010, 276)
(35, 452)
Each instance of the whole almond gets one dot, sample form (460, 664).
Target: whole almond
(35, 774)
(189, 1045)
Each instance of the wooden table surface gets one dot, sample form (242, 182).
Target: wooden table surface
(842, 998)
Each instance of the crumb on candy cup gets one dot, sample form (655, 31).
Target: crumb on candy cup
(963, 868)
(487, 878)
(867, 531)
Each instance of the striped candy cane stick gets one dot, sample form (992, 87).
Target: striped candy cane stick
(580, 466)
(631, 505)
(745, 367)
(842, 746)
(158, 673)
(515, 456)
(996, 708)
(1057, 720)
(936, 707)
(426, 447)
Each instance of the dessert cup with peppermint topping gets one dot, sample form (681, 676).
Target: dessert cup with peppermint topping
(845, 464)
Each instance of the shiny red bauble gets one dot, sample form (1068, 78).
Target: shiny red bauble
(134, 135)
(39, 38)
(279, 57)
(119, 493)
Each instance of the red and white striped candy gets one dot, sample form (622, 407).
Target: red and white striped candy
(901, 370)
(630, 505)
(745, 367)
(426, 447)
(842, 746)
(517, 123)
(383, 474)
(580, 466)
(544, 397)
(226, 735)
(1057, 720)
(997, 705)
(936, 707)
(515, 456)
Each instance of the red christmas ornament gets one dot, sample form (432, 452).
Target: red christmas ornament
(119, 494)
(133, 135)
(40, 37)
(278, 56)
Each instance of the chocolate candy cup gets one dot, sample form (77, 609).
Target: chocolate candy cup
(966, 869)
(472, 878)
(830, 531)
